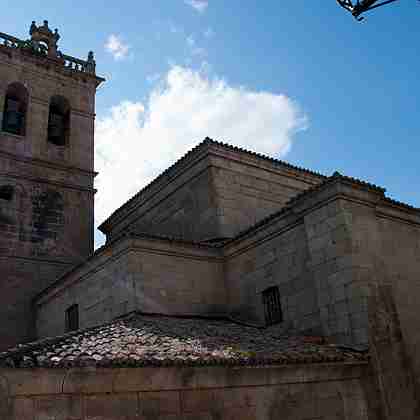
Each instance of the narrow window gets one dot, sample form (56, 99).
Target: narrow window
(272, 306)
(15, 105)
(59, 121)
(6, 192)
(72, 318)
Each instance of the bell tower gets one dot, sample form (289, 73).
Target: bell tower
(47, 111)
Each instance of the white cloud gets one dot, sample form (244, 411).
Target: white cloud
(117, 47)
(199, 5)
(136, 141)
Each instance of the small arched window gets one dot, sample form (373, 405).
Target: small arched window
(59, 121)
(272, 306)
(15, 107)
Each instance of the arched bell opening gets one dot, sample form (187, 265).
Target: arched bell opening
(59, 121)
(15, 108)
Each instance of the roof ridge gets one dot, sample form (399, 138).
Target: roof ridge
(292, 201)
(206, 142)
(400, 204)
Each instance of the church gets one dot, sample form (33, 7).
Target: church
(233, 286)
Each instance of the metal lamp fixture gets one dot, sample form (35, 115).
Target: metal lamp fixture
(358, 7)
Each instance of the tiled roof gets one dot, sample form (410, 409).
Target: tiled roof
(400, 204)
(157, 340)
(205, 143)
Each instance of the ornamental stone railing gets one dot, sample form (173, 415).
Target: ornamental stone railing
(40, 45)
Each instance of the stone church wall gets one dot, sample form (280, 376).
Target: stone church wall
(386, 247)
(181, 205)
(43, 82)
(276, 256)
(103, 289)
(248, 189)
(214, 196)
(178, 279)
(38, 241)
(136, 274)
(365, 257)
(322, 392)
(21, 279)
(187, 212)
(46, 222)
(339, 279)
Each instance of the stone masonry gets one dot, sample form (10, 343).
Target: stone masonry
(234, 285)
(46, 223)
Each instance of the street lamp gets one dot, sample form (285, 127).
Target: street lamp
(357, 7)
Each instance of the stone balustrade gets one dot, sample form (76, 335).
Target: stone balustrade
(69, 62)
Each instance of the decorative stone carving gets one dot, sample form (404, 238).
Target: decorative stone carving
(43, 35)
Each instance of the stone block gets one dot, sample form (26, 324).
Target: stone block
(340, 308)
(57, 407)
(359, 320)
(360, 336)
(357, 304)
(22, 409)
(317, 257)
(28, 382)
(286, 288)
(197, 400)
(88, 380)
(307, 301)
(337, 293)
(319, 242)
(240, 397)
(324, 297)
(330, 408)
(333, 208)
(160, 403)
(343, 323)
(122, 406)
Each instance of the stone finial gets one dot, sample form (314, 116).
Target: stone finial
(33, 28)
(90, 63)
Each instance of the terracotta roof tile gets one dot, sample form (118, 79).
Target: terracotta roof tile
(157, 340)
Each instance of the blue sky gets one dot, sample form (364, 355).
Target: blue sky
(346, 93)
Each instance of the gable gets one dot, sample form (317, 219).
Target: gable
(213, 192)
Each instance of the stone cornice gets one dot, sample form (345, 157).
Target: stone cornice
(205, 148)
(48, 181)
(46, 163)
(124, 244)
(59, 63)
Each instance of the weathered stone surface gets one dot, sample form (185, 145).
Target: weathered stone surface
(340, 392)
(46, 222)
(213, 235)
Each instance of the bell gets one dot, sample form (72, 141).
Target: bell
(56, 129)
